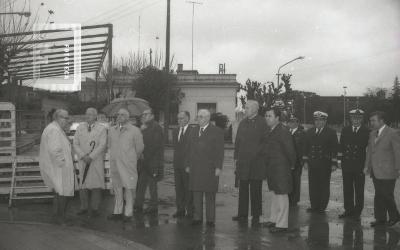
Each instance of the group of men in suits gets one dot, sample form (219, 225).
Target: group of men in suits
(198, 160)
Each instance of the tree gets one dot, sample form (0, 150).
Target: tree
(268, 94)
(152, 86)
(396, 100)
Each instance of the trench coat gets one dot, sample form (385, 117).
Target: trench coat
(280, 158)
(125, 148)
(248, 149)
(55, 160)
(206, 155)
(153, 154)
(82, 144)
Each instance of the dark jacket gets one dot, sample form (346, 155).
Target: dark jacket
(353, 148)
(153, 153)
(181, 148)
(248, 149)
(280, 158)
(320, 149)
(299, 137)
(206, 155)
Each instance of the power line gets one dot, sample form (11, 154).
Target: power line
(118, 18)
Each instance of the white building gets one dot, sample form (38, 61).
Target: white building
(216, 92)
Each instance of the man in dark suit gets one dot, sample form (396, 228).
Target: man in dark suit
(250, 166)
(181, 143)
(205, 164)
(150, 171)
(298, 134)
(353, 144)
(280, 158)
(320, 151)
(383, 164)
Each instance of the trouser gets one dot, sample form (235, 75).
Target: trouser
(280, 210)
(120, 196)
(294, 196)
(384, 202)
(353, 191)
(144, 181)
(184, 197)
(198, 205)
(255, 187)
(319, 178)
(60, 204)
(90, 198)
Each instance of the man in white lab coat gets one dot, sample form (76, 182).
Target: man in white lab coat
(56, 164)
(90, 142)
(125, 146)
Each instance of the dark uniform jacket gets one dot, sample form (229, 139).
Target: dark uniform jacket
(299, 137)
(153, 153)
(248, 149)
(280, 158)
(206, 155)
(181, 148)
(353, 148)
(320, 149)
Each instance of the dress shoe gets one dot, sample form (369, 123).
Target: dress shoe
(377, 223)
(197, 222)
(94, 213)
(115, 217)
(344, 215)
(127, 218)
(239, 218)
(151, 210)
(179, 214)
(82, 212)
(310, 210)
(210, 224)
(268, 224)
(278, 230)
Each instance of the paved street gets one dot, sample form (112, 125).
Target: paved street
(164, 232)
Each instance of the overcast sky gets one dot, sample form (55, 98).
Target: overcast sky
(345, 42)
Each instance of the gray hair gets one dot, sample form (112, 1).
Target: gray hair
(58, 112)
(92, 110)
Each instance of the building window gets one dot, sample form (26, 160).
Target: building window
(212, 107)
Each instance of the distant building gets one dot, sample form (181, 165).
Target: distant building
(216, 92)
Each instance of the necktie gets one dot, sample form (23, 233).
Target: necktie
(201, 131)
(354, 130)
(180, 134)
(89, 128)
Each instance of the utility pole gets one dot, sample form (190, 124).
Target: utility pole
(193, 3)
(139, 38)
(344, 105)
(304, 108)
(167, 46)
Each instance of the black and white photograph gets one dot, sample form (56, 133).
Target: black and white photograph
(199, 124)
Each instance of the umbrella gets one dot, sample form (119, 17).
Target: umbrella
(135, 106)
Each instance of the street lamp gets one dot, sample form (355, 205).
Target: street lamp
(344, 105)
(297, 58)
(304, 108)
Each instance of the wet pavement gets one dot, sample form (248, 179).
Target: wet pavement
(307, 231)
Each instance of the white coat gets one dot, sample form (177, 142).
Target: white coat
(94, 145)
(125, 148)
(55, 160)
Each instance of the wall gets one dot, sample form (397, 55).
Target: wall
(222, 95)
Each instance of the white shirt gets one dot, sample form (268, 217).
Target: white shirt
(380, 130)
(204, 128)
(318, 130)
(357, 128)
(293, 130)
(184, 131)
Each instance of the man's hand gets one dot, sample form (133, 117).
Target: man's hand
(217, 171)
(366, 171)
(305, 165)
(334, 167)
(187, 170)
(339, 164)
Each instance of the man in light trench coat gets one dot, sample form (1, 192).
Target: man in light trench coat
(90, 142)
(56, 163)
(125, 146)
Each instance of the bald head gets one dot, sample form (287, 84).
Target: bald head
(91, 115)
(203, 117)
(251, 108)
(123, 116)
(61, 116)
